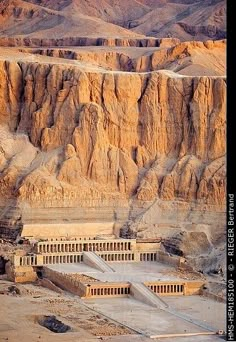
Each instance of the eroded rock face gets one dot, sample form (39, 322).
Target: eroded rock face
(110, 136)
(88, 41)
(189, 58)
(186, 243)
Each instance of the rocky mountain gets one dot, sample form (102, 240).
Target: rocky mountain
(187, 20)
(105, 113)
(114, 135)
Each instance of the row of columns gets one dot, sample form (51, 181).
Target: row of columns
(110, 291)
(118, 257)
(109, 246)
(75, 239)
(167, 288)
(28, 260)
(80, 247)
(148, 256)
(62, 259)
(60, 248)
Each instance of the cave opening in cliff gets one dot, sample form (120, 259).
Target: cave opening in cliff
(2, 265)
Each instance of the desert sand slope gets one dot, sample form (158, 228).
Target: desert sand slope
(22, 18)
(192, 58)
(183, 19)
(199, 20)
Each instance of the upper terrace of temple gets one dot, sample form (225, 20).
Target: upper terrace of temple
(73, 246)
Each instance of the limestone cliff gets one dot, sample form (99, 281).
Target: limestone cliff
(69, 134)
(88, 41)
(189, 58)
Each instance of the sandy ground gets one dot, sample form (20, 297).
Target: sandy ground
(18, 316)
(149, 320)
(133, 272)
(202, 308)
(96, 319)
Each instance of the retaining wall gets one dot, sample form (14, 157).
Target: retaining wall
(103, 289)
(20, 274)
(168, 288)
(65, 282)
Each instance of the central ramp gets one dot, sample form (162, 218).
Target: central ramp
(93, 260)
(145, 295)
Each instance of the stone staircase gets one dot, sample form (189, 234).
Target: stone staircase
(145, 295)
(93, 260)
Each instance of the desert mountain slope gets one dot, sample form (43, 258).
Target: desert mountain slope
(199, 20)
(183, 19)
(20, 18)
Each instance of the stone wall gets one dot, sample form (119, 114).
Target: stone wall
(105, 289)
(145, 247)
(65, 282)
(49, 285)
(193, 288)
(66, 229)
(21, 274)
(169, 288)
(169, 259)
